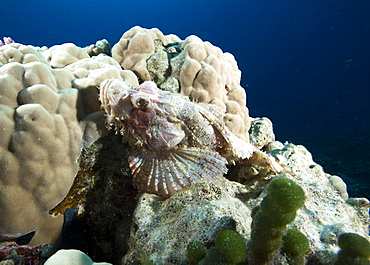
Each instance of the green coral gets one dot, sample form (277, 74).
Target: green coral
(284, 198)
(196, 251)
(355, 249)
(213, 257)
(231, 245)
(287, 194)
(229, 249)
(278, 209)
(295, 244)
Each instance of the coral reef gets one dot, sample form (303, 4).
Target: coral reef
(54, 129)
(324, 216)
(196, 214)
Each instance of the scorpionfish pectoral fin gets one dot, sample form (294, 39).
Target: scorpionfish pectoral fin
(165, 172)
(233, 147)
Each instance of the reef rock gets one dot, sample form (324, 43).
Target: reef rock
(162, 229)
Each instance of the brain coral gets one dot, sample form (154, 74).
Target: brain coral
(198, 69)
(46, 116)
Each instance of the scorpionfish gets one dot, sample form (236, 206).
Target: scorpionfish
(173, 141)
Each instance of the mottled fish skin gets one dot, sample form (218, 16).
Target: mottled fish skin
(174, 142)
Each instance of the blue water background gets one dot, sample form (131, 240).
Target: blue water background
(305, 64)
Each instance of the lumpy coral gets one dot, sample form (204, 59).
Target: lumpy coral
(198, 69)
(295, 244)
(231, 246)
(47, 116)
(41, 141)
(278, 209)
(196, 251)
(136, 46)
(355, 249)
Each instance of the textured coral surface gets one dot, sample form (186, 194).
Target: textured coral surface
(47, 115)
(198, 69)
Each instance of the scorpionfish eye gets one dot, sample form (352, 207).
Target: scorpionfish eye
(141, 101)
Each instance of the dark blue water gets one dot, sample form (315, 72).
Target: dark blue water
(305, 64)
